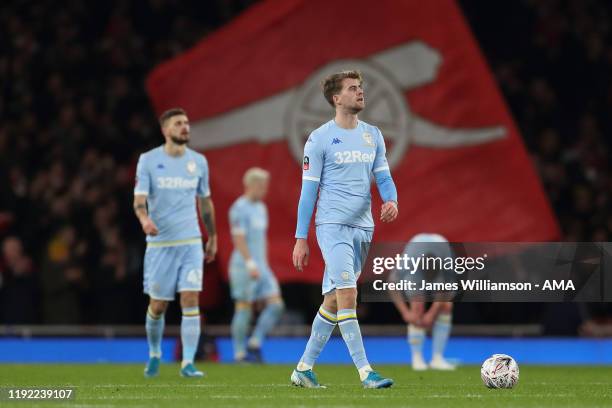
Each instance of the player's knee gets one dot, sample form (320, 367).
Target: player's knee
(276, 303)
(158, 307)
(243, 305)
(189, 299)
(346, 298)
(330, 303)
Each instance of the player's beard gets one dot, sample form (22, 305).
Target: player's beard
(178, 141)
(355, 109)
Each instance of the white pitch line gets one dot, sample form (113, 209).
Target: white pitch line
(181, 385)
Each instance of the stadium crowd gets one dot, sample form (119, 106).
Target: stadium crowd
(75, 115)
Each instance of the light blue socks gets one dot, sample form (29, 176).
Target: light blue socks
(416, 338)
(154, 326)
(240, 327)
(349, 327)
(322, 328)
(267, 319)
(440, 333)
(190, 333)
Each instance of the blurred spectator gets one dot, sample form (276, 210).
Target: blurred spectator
(19, 289)
(555, 76)
(63, 280)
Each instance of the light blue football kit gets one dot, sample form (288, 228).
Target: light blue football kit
(250, 219)
(174, 258)
(437, 246)
(340, 163)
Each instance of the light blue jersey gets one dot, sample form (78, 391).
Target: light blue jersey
(342, 161)
(425, 245)
(171, 185)
(250, 219)
(428, 244)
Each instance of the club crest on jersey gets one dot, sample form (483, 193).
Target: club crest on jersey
(306, 163)
(367, 138)
(191, 167)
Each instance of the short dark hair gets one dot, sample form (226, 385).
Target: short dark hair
(170, 113)
(332, 85)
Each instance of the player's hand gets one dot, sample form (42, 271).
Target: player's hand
(388, 211)
(211, 248)
(253, 270)
(148, 226)
(300, 254)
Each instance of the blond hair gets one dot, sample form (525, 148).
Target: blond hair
(255, 174)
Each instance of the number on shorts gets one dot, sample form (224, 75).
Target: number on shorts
(194, 276)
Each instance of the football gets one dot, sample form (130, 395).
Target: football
(499, 371)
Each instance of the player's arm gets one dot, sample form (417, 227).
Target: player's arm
(208, 217)
(240, 244)
(207, 211)
(238, 225)
(398, 300)
(140, 209)
(308, 198)
(401, 306)
(430, 316)
(141, 192)
(384, 182)
(311, 175)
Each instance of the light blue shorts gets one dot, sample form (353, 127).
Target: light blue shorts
(344, 250)
(172, 269)
(246, 289)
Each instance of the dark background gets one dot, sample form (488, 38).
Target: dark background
(74, 116)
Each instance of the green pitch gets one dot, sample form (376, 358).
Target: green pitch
(268, 386)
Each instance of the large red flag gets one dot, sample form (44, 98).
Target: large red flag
(252, 93)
